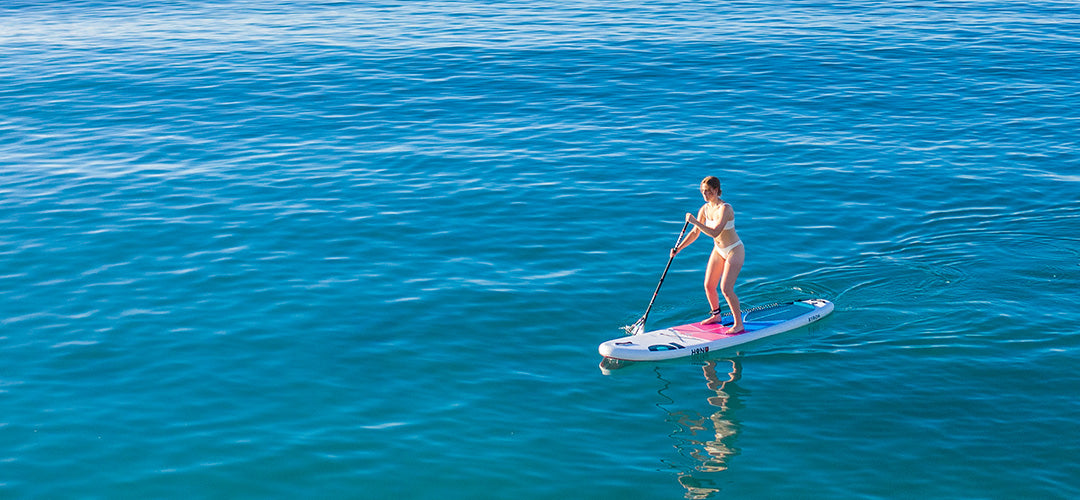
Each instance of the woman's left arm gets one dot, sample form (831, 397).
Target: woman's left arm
(713, 232)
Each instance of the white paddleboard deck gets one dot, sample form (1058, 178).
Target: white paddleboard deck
(695, 339)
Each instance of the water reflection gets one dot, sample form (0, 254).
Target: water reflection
(707, 439)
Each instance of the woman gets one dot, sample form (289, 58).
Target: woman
(717, 219)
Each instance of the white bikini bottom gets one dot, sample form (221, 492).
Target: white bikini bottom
(726, 251)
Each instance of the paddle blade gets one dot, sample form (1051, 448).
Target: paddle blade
(636, 328)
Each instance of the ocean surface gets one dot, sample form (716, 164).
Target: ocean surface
(339, 249)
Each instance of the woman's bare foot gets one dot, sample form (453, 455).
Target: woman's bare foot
(711, 319)
(732, 330)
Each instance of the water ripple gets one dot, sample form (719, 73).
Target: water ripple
(382, 238)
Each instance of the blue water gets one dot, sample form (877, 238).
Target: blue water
(336, 249)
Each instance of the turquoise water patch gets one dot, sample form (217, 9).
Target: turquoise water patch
(354, 250)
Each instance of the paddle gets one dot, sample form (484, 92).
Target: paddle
(639, 325)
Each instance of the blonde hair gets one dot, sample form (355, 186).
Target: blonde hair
(712, 182)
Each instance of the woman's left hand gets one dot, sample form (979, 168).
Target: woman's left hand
(690, 218)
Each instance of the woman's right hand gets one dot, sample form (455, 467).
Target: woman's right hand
(674, 252)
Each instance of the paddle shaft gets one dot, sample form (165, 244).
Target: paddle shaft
(662, 276)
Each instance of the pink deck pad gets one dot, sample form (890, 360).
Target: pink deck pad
(714, 331)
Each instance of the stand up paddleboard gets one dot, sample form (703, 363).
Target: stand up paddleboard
(696, 339)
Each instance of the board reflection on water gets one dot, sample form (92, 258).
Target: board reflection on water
(704, 437)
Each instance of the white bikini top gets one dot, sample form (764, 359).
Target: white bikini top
(714, 222)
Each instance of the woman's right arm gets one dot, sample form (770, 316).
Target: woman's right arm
(685, 242)
(690, 238)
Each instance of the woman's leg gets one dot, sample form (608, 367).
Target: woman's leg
(713, 272)
(732, 265)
